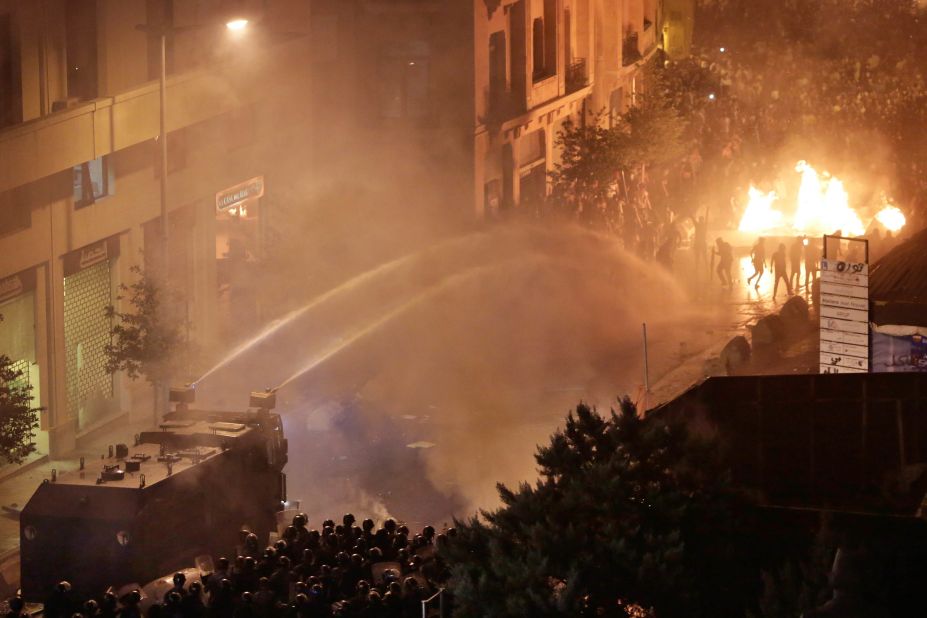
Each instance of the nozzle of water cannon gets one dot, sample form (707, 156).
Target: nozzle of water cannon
(265, 400)
(183, 394)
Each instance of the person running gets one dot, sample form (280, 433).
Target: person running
(758, 257)
(780, 270)
(725, 258)
(795, 255)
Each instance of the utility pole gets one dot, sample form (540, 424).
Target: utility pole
(162, 139)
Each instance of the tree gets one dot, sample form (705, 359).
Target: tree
(147, 341)
(592, 156)
(594, 180)
(628, 512)
(18, 419)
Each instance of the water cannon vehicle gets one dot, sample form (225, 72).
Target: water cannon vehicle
(183, 491)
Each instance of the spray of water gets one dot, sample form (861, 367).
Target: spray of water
(424, 296)
(344, 288)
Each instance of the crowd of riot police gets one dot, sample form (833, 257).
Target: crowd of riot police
(341, 570)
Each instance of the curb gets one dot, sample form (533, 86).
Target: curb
(26, 467)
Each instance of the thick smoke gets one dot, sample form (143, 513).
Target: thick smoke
(423, 383)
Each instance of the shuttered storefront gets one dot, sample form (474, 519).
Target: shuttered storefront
(87, 294)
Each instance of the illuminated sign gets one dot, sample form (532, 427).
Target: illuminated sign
(239, 194)
(844, 317)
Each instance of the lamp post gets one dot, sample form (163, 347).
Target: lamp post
(237, 25)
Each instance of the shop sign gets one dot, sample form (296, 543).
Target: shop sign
(14, 285)
(240, 193)
(91, 255)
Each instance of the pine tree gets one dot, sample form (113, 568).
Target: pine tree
(628, 512)
(18, 419)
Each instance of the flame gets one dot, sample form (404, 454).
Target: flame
(824, 205)
(760, 216)
(892, 218)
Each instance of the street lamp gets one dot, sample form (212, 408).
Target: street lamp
(162, 32)
(237, 25)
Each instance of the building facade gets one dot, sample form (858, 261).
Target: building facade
(80, 177)
(472, 94)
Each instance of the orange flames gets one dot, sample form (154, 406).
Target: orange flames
(822, 206)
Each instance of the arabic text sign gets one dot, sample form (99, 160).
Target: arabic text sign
(844, 314)
(844, 361)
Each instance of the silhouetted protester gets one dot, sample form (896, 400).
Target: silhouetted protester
(796, 249)
(700, 244)
(780, 270)
(758, 258)
(812, 253)
(17, 608)
(725, 254)
(665, 253)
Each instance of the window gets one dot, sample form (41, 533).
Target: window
(404, 82)
(544, 42)
(9, 98)
(92, 181)
(81, 41)
(615, 106)
(537, 42)
(15, 214)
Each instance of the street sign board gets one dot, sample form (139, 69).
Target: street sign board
(844, 311)
(240, 193)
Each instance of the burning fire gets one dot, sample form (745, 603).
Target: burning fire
(822, 206)
(760, 215)
(892, 218)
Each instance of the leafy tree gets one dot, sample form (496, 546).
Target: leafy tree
(18, 419)
(592, 157)
(654, 133)
(147, 341)
(629, 512)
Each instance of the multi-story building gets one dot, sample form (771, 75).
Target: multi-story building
(80, 175)
(466, 98)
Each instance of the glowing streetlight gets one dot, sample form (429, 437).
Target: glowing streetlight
(237, 25)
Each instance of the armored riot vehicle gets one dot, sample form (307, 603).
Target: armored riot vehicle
(150, 508)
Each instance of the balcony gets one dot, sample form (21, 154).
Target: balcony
(577, 76)
(630, 49)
